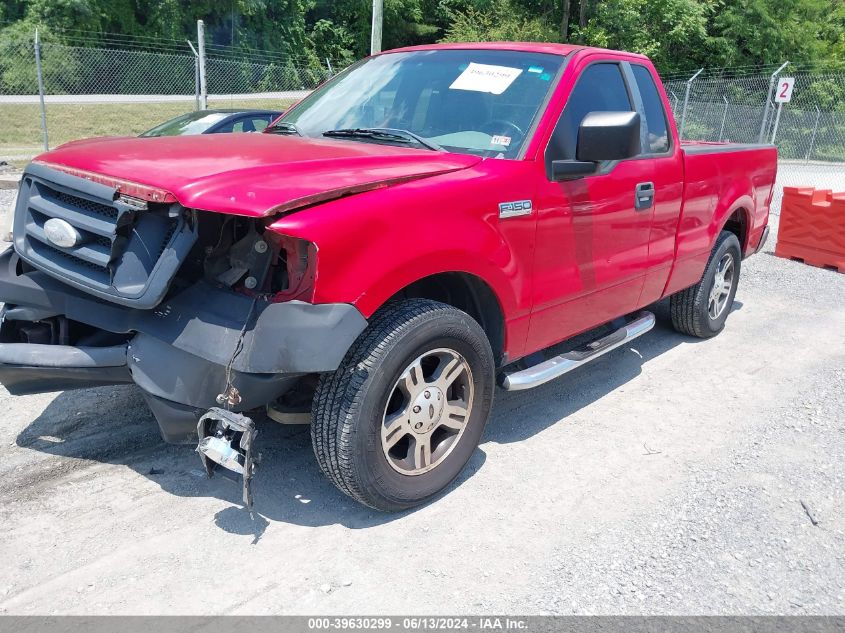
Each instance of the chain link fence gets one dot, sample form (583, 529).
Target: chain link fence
(809, 134)
(109, 91)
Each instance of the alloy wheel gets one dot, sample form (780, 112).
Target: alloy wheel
(723, 282)
(427, 411)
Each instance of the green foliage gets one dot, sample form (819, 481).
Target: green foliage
(770, 31)
(16, 77)
(673, 33)
(677, 34)
(500, 20)
(827, 93)
(332, 41)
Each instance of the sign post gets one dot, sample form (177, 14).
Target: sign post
(41, 90)
(765, 118)
(783, 94)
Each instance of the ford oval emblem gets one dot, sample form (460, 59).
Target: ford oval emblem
(61, 233)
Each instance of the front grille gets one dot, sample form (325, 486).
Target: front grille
(125, 254)
(85, 204)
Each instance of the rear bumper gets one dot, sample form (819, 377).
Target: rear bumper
(177, 353)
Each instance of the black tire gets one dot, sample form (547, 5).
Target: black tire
(349, 404)
(690, 307)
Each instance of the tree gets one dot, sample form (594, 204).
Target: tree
(677, 34)
(583, 12)
(767, 32)
(86, 15)
(672, 32)
(564, 20)
(501, 20)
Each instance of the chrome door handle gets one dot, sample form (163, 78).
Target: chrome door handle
(644, 196)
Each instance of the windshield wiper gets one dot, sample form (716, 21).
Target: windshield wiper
(386, 134)
(283, 127)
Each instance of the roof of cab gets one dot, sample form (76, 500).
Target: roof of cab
(530, 47)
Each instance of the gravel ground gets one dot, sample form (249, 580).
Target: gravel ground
(670, 477)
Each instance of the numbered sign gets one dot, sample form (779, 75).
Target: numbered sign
(784, 91)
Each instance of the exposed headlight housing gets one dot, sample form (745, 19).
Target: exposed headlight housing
(294, 269)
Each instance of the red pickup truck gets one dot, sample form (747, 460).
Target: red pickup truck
(424, 225)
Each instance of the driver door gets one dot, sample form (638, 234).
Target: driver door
(592, 240)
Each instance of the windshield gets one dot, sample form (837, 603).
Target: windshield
(479, 102)
(191, 123)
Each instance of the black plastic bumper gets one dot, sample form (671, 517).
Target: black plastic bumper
(178, 352)
(29, 368)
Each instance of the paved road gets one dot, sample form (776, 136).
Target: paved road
(667, 478)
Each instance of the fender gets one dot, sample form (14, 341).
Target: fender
(374, 244)
(728, 205)
(367, 262)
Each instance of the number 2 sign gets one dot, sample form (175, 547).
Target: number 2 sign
(784, 90)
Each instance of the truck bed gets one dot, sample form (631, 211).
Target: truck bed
(720, 179)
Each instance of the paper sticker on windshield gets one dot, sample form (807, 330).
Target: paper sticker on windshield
(486, 78)
(504, 141)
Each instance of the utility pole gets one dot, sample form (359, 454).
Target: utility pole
(201, 46)
(378, 16)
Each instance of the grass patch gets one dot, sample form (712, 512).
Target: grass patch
(20, 124)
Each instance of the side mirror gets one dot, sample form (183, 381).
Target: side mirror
(608, 136)
(572, 169)
(602, 136)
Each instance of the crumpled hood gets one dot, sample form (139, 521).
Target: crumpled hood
(252, 174)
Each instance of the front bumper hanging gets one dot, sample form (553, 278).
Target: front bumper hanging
(227, 439)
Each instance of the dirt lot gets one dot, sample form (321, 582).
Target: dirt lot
(668, 477)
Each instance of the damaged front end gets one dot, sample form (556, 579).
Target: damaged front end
(227, 439)
(201, 310)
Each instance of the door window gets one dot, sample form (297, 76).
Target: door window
(254, 123)
(655, 114)
(600, 88)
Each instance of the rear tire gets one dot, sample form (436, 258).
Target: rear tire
(401, 416)
(701, 310)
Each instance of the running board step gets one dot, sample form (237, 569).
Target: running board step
(559, 365)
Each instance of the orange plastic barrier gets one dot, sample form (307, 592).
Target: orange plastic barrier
(812, 227)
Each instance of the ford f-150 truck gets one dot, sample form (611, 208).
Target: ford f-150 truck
(424, 226)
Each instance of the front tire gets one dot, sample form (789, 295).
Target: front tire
(401, 416)
(701, 310)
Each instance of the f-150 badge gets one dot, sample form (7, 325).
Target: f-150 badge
(514, 209)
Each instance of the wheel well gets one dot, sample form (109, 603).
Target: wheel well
(468, 293)
(738, 225)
